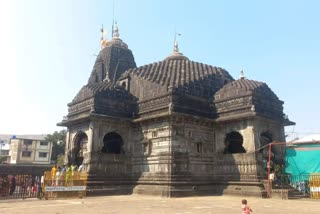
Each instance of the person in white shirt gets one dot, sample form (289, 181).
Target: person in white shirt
(82, 167)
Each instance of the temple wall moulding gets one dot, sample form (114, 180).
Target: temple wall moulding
(82, 106)
(234, 103)
(152, 104)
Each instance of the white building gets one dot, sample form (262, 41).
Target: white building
(33, 151)
(4, 150)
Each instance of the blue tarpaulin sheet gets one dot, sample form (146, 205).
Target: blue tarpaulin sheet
(303, 159)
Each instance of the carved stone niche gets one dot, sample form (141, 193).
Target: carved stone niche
(124, 83)
(147, 146)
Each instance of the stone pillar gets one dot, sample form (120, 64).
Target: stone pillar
(67, 146)
(248, 138)
(90, 137)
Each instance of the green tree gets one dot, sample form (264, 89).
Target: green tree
(58, 140)
(60, 160)
(2, 158)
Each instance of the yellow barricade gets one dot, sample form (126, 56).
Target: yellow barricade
(314, 183)
(65, 184)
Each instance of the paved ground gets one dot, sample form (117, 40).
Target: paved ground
(144, 204)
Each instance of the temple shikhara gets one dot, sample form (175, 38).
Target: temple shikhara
(172, 128)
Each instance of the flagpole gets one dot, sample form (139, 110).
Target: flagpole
(112, 20)
(175, 34)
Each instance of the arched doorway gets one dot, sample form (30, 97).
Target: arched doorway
(80, 145)
(234, 142)
(112, 143)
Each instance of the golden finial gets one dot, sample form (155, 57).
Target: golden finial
(103, 40)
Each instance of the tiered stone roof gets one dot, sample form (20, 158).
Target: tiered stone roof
(103, 88)
(243, 87)
(248, 97)
(186, 86)
(111, 62)
(175, 72)
(181, 74)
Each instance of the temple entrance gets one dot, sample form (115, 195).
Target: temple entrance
(80, 145)
(234, 142)
(112, 143)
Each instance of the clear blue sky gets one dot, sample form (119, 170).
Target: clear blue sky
(47, 50)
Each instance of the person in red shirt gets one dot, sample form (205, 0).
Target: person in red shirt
(245, 207)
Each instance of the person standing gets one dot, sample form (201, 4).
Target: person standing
(12, 185)
(68, 175)
(39, 188)
(82, 167)
(62, 178)
(74, 167)
(53, 174)
(58, 176)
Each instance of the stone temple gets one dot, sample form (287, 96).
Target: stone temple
(171, 128)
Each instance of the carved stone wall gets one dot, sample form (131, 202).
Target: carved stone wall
(274, 128)
(244, 166)
(244, 127)
(103, 163)
(112, 106)
(154, 106)
(192, 105)
(151, 150)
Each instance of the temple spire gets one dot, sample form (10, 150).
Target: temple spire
(175, 47)
(116, 31)
(176, 55)
(175, 43)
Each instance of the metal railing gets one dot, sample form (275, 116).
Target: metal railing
(19, 186)
(307, 184)
(300, 183)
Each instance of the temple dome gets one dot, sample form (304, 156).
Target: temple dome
(176, 56)
(245, 97)
(243, 87)
(116, 42)
(176, 73)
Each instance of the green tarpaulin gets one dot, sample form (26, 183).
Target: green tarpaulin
(303, 159)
